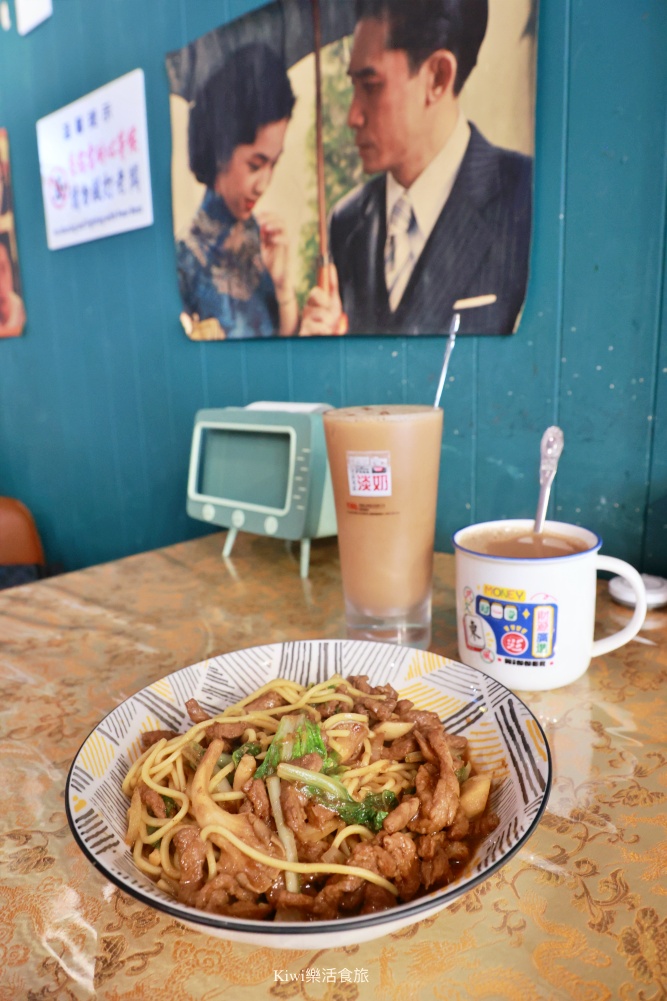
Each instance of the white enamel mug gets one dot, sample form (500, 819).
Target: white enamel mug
(528, 622)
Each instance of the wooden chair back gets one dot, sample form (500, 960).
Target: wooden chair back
(19, 539)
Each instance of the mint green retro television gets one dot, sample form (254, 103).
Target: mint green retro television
(263, 469)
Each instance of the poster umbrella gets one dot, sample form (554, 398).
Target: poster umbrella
(323, 279)
(295, 29)
(286, 25)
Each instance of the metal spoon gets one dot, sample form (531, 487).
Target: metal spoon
(550, 450)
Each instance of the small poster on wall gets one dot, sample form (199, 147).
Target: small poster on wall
(31, 13)
(355, 167)
(12, 310)
(93, 157)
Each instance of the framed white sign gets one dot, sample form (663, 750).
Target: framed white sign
(31, 13)
(94, 163)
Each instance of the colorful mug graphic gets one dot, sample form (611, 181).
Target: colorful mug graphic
(517, 632)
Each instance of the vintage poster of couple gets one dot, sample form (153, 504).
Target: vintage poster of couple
(355, 167)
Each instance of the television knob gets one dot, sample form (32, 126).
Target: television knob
(208, 512)
(270, 525)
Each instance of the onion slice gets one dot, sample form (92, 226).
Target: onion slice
(284, 832)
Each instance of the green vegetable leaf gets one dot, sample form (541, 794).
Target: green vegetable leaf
(371, 812)
(194, 752)
(153, 844)
(295, 737)
(330, 792)
(251, 747)
(463, 773)
(170, 805)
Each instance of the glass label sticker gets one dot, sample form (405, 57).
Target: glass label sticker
(369, 474)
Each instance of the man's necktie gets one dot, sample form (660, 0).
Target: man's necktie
(398, 257)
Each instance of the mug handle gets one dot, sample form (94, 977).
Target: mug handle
(609, 643)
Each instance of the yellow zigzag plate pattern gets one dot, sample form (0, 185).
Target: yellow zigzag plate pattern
(97, 755)
(135, 750)
(164, 689)
(425, 697)
(486, 750)
(424, 663)
(536, 737)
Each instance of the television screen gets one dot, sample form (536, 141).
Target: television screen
(245, 467)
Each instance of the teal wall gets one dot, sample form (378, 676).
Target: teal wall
(97, 398)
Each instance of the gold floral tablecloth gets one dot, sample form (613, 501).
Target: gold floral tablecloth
(578, 913)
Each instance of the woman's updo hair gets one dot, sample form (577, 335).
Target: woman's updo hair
(250, 90)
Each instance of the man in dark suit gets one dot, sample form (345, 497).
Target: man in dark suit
(447, 216)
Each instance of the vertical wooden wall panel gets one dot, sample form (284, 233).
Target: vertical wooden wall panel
(517, 377)
(614, 230)
(654, 556)
(318, 370)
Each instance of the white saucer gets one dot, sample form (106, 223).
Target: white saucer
(656, 591)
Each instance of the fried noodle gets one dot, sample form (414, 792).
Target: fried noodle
(306, 803)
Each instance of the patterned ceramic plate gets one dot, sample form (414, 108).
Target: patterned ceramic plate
(503, 734)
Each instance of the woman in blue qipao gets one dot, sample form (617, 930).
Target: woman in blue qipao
(233, 265)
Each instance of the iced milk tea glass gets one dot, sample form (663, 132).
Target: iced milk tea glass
(384, 466)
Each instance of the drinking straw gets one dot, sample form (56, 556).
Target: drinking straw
(451, 341)
(474, 302)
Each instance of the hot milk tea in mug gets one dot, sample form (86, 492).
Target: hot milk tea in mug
(525, 603)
